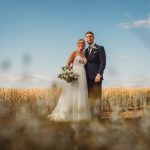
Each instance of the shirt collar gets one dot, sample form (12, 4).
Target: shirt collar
(92, 45)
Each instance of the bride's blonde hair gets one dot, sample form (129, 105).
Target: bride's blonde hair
(73, 54)
(79, 40)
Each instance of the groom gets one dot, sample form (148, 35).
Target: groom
(96, 62)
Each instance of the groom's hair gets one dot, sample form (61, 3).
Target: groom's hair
(89, 32)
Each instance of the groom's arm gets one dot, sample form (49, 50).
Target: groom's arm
(102, 58)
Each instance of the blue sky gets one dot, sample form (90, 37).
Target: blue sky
(46, 31)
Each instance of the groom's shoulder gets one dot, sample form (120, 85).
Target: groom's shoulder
(99, 47)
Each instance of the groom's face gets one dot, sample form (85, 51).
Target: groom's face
(89, 38)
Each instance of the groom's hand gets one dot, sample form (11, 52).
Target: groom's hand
(98, 78)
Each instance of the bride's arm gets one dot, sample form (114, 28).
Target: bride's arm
(71, 59)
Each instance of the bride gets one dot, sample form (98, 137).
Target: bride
(73, 103)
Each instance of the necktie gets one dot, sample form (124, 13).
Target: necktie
(90, 50)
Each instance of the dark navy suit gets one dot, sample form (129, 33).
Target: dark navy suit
(96, 62)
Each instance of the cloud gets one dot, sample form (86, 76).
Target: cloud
(7, 77)
(139, 81)
(135, 24)
(40, 80)
(11, 80)
(130, 82)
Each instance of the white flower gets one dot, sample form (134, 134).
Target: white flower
(68, 75)
(93, 47)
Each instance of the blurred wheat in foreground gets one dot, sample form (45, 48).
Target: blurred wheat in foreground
(125, 124)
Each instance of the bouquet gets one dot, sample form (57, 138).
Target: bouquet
(68, 75)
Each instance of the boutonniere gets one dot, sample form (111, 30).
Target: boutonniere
(93, 47)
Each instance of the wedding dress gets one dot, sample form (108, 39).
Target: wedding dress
(73, 103)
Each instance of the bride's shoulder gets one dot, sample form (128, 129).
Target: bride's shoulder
(71, 58)
(73, 53)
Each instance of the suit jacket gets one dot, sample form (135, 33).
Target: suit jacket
(96, 61)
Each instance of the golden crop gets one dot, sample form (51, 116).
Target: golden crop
(45, 99)
(24, 125)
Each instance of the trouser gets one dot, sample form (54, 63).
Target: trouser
(95, 97)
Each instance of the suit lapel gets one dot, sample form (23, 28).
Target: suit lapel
(87, 52)
(90, 54)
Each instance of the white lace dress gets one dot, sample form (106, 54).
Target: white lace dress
(73, 104)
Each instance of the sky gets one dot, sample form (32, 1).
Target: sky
(37, 37)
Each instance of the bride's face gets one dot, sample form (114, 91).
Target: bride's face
(81, 45)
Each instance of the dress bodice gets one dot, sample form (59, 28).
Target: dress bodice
(79, 61)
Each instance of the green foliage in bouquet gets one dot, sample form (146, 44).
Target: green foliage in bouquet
(68, 75)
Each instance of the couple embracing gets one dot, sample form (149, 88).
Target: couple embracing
(89, 63)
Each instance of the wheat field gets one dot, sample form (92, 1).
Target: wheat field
(125, 123)
(126, 99)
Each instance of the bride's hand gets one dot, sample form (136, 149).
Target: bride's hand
(70, 66)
